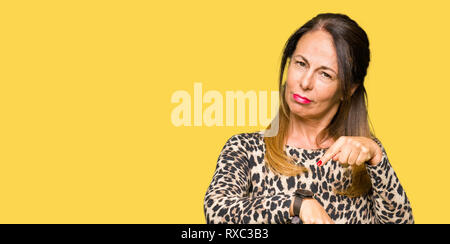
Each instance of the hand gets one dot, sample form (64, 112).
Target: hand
(353, 150)
(311, 212)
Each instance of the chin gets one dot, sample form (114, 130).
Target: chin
(299, 114)
(297, 110)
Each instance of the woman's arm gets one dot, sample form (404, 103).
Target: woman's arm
(391, 205)
(227, 199)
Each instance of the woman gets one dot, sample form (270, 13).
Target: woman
(324, 165)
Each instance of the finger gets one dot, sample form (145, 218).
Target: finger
(332, 151)
(329, 220)
(343, 156)
(336, 157)
(353, 156)
(362, 158)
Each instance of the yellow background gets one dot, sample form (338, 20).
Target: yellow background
(85, 129)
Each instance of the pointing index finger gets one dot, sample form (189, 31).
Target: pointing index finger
(330, 153)
(326, 157)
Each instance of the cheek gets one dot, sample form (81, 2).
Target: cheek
(291, 81)
(287, 93)
(290, 89)
(327, 93)
(292, 75)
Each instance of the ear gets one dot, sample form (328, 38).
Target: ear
(354, 88)
(352, 91)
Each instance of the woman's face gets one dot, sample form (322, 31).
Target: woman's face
(312, 74)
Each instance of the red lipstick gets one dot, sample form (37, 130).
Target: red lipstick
(300, 99)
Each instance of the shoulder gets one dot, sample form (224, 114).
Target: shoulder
(247, 137)
(247, 141)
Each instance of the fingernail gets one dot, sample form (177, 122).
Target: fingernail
(319, 163)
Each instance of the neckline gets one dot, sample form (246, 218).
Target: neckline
(299, 148)
(306, 149)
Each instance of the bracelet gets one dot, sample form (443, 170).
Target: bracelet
(297, 205)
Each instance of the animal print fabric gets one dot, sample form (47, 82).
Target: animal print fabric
(244, 190)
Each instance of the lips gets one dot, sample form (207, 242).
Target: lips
(300, 99)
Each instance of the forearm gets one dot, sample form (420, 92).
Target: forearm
(391, 205)
(247, 210)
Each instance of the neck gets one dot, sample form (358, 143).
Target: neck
(302, 132)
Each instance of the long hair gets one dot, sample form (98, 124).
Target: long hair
(351, 119)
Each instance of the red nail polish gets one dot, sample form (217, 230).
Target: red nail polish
(319, 163)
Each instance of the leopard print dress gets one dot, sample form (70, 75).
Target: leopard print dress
(244, 190)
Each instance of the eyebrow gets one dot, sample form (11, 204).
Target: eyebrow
(321, 67)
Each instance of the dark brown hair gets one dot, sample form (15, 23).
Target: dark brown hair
(353, 54)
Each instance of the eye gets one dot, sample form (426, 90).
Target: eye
(326, 75)
(301, 63)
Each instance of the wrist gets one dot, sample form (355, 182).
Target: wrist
(296, 204)
(291, 208)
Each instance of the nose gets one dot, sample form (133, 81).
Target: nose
(307, 81)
